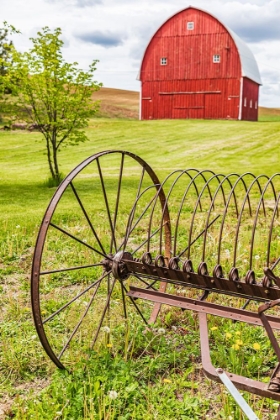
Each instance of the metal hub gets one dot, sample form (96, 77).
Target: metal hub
(117, 265)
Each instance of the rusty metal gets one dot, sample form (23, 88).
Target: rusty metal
(129, 242)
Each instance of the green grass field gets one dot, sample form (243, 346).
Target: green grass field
(154, 375)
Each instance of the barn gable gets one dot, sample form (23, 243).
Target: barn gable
(195, 67)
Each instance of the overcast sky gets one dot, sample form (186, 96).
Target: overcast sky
(117, 33)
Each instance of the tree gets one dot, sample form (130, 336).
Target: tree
(53, 95)
(6, 54)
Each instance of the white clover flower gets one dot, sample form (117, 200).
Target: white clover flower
(112, 395)
(17, 226)
(257, 257)
(161, 331)
(106, 329)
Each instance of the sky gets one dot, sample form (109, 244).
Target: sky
(117, 32)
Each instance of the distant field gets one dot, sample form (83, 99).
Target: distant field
(117, 103)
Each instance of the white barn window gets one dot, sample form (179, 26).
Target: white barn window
(190, 26)
(163, 61)
(216, 58)
(251, 103)
(245, 101)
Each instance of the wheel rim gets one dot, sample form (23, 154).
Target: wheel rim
(92, 218)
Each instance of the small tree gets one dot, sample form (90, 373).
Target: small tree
(54, 96)
(6, 54)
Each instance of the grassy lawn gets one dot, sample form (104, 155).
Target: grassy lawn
(154, 374)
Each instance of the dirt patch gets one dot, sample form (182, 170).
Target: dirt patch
(23, 389)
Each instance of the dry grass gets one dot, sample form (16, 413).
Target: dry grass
(117, 103)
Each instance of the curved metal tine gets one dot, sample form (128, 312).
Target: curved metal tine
(117, 199)
(103, 314)
(205, 186)
(61, 270)
(226, 205)
(87, 217)
(219, 187)
(79, 323)
(165, 211)
(255, 180)
(183, 172)
(132, 212)
(198, 236)
(107, 205)
(78, 240)
(232, 193)
(261, 202)
(97, 282)
(129, 231)
(192, 183)
(150, 285)
(146, 240)
(275, 210)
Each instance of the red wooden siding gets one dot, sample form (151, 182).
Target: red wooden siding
(191, 85)
(251, 96)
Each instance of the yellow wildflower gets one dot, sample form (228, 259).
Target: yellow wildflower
(109, 345)
(239, 342)
(237, 333)
(228, 335)
(167, 381)
(235, 347)
(214, 328)
(256, 346)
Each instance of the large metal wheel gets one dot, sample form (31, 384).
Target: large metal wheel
(110, 207)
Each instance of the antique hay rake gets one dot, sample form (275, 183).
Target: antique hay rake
(115, 242)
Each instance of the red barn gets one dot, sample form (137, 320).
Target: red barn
(196, 67)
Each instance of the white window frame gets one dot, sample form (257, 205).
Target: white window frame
(163, 61)
(190, 26)
(251, 103)
(256, 104)
(245, 102)
(216, 58)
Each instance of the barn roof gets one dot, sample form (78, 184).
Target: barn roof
(248, 62)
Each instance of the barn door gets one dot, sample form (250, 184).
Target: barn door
(190, 105)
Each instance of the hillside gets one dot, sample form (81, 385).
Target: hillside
(118, 103)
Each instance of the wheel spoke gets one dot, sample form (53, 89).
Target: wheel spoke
(61, 270)
(136, 306)
(103, 314)
(150, 285)
(97, 282)
(78, 240)
(87, 217)
(117, 200)
(106, 204)
(79, 323)
(130, 229)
